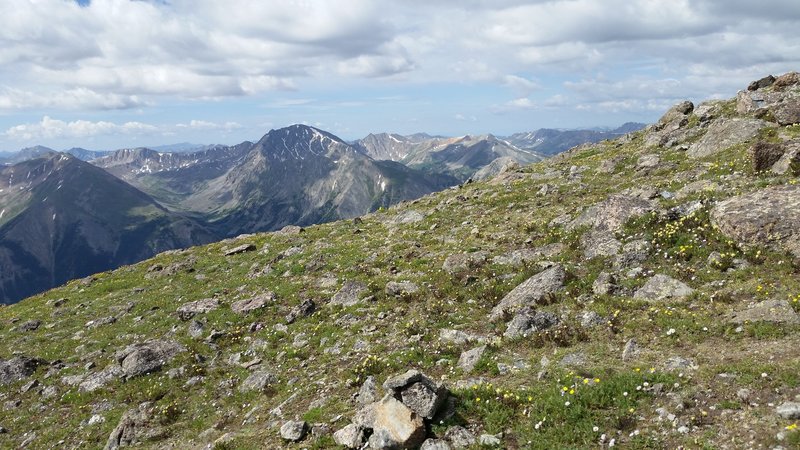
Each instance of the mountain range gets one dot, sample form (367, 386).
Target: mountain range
(64, 218)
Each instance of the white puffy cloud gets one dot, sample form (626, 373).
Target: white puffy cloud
(49, 128)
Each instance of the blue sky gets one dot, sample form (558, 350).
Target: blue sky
(106, 74)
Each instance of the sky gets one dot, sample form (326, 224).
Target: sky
(107, 74)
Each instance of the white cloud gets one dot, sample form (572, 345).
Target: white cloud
(205, 125)
(50, 128)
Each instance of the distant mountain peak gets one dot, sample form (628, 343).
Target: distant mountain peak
(298, 141)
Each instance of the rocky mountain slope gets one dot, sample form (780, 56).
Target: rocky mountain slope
(62, 218)
(637, 293)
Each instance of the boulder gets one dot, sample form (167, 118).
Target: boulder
(409, 216)
(435, 444)
(470, 358)
(538, 289)
(136, 426)
(789, 410)
(464, 262)
(661, 287)
(401, 288)
(417, 391)
(294, 430)
(460, 437)
(763, 155)
(649, 161)
(725, 133)
(395, 425)
(144, 358)
(252, 304)
(18, 368)
(257, 381)
(239, 249)
(677, 112)
(304, 309)
(97, 380)
(790, 160)
(604, 284)
(527, 321)
(350, 294)
(351, 436)
(368, 393)
(768, 217)
(762, 83)
(788, 112)
(459, 337)
(30, 325)
(189, 310)
(613, 212)
(786, 80)
(774, 311)
(597, 243)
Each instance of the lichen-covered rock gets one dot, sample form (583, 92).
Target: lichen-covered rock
(763, 155)
(257, 381)
(141, 359)
(725, 133)
(136, 426)
(774, 311)
(527, 321)
(350, 294)
(401, 288)
(463, 262)
(768, 217)
(17, 368)
(537, 289)
(189, 310)
(662, 287)
(294, 430)
(351, 436)
(613, 212)
(469, 359)
(252, 304)
(599, 244)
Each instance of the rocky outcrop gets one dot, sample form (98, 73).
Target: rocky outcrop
(191, 309)
(769, 217)
(725, 133)
(18, 368)
(141, 359)
(773, 311)
(661, 287)
(538, 289)
(136, 426)
(350, 294)
(613, 212)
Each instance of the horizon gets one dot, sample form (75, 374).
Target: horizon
(113, 74)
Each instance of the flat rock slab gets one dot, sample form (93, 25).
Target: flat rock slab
(723, 134)
(350, 294)
(661, 287)
(535, 290)
(396, 426)
(612, 213)
(252, 304)
(141, 359)
(240, 249)
(189, 310)
(769, 217)
(774, 311)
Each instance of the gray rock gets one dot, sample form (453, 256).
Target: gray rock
(538, 289)
(401, 288)
(631, 350)
(424, 398)
(350, 294)
(723, 134)
(573, 360)
(291, 230)
(604, 284)
(368, 393)
(459, 337)
(304, 309)
(195, 329)
(661, 287)
(599, 244)
(648, 161)
(789, 410)
(768, 217)
(95, 381)
(136, 426)
(591, 319)
(774, 311)
(613, 212)
(677, 112)
(527, 321)
(677, 363)
(189, 310)
(763, 155)
(499, 165)
(294, 430)
(257, 381)
(240, 249)
(470, 358)
(18, 368)
(141, 359)
(464, 262)
(396, 426)
(435, 444)
(761, 83)
(524, 256)
(789, 160)
(489, 440)
(31, 325)
(409, 216)
(460, 437)
(351, 436)
(252, 304)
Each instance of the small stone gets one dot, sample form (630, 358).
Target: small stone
(368, 393)
(252, 304)
(661, 287)
(189, 310)
(604, 284)
(257, 381)
(350, 294)
(401, 288)
(460, 437)
(631, 350)
(31, 325)
(304, 309)
(489, 440)
(294, 430)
